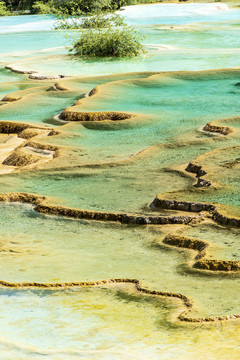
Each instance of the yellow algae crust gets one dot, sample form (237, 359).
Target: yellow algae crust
(182, 317)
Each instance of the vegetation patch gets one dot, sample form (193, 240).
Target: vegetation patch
(3, 9)
(110, 42)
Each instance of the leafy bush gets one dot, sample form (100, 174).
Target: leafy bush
(100, 21)
(3, 9)
(110, 42)
(92, 22)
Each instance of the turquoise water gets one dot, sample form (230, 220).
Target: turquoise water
(173, 42)
(120, 166)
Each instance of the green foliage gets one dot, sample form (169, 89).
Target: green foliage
(40, 7)
(3, 9)
(68, 7)
(91, 22)
(101, 35)
(19, 5)
(110, 42)
(100, 21)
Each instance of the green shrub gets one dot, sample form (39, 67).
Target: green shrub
(91, 22)
(100, 21)
(3, 9)
(110, 42)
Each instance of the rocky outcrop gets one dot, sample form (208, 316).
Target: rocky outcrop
(203, 183)
(196, 169)
(189, 206)
(182, 205)
(224, 130)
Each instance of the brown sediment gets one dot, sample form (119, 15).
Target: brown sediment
(70, 115)
(224, 130)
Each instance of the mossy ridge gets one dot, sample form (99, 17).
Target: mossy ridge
(69, 115)
(20, 159)
(11, 127)
(201, 246)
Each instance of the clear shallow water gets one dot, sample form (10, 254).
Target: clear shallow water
(103, 324)
(190, 28)
(63, 250)
(98, 171)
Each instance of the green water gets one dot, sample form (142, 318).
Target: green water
(119, 323)
(63, 250)
(120, 166)
(114, 145)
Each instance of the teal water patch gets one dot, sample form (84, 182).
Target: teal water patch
(7, 76)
